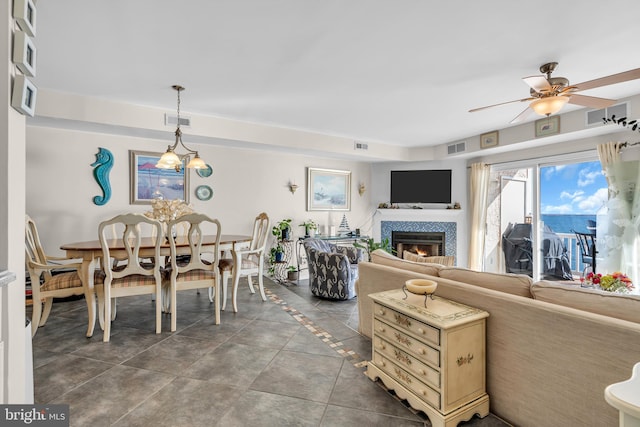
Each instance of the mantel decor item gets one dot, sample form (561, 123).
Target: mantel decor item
(488, 140)
(548, 126)
(424, 287)
(147, 182)
(328, 190)
(170, 160)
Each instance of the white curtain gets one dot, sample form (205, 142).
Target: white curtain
(478, 194)
(618, 232)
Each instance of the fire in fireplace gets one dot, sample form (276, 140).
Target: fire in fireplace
(422, 243)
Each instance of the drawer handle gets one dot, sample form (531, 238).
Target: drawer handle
(383, 363)
(423, 351)
(381, 329)
(422, 372)
(423, 392)
(383, 312)
(464, 359)
(383, 346)
(422, 331)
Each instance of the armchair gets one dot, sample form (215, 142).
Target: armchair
(333, 269)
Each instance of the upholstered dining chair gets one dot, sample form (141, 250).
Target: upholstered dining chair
(246, 263)
(194, 266)
(137, 275)
(51, 277)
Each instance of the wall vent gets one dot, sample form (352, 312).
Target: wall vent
(595, 117)
(458, 147)
(172, 120)
(360, 146)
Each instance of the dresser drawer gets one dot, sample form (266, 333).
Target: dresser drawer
(424, 373)
(401, 340)
(413, 384)
(402, 321)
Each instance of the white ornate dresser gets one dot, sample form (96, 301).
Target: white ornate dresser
(433, 357)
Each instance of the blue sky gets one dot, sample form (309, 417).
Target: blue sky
(578, 188)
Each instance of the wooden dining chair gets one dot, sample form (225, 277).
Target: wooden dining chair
(195, 265)
(51, 277)
(137, 275)
(246, 263)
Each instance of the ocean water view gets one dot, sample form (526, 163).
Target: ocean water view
(568, 223)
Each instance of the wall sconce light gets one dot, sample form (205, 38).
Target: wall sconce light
(293, 187)
(362, 188)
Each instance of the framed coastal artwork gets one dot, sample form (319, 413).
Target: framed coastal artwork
(548, 126)
(328, 190)
(147, 182)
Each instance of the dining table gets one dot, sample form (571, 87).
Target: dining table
(90, 252)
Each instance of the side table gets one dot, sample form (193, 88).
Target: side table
(625, 397)
(433, 357)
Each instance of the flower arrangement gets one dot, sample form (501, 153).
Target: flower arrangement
(615, 282)
(167, 210)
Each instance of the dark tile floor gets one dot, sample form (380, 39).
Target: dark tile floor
(294, 360)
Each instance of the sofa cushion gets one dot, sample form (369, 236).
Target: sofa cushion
(516, 284)
(620, 306)
(383, 257)
(442, 260)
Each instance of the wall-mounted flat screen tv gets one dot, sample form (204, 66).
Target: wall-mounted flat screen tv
(421, 186)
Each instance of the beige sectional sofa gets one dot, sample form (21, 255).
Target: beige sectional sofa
(551, 349)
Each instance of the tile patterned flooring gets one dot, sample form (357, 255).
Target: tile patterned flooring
(294, 360)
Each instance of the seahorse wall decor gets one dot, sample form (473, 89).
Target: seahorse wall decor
(102, 167)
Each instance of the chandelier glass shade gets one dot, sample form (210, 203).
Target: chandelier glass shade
(549, 105)
(170, 160)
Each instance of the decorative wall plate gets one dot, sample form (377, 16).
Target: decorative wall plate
(205, 172)
(204, 192)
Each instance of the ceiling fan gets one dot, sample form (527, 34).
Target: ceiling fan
(549, 94)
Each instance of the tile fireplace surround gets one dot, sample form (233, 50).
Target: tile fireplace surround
(450, 221)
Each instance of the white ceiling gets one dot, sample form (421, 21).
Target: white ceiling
(401, 72)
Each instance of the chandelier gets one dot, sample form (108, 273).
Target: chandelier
(170, 159)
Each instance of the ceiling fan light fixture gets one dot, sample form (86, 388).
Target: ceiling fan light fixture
(549, 105)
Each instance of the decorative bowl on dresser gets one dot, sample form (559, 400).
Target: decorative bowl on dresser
(433, 357)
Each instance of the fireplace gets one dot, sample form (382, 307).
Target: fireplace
(423, 243)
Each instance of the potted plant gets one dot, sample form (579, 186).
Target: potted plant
(370, 246)
(308, 226)
(282, 230)
(292, 273)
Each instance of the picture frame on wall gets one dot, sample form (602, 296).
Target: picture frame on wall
(24, 12)
(24, 53)
(328, 190)
(489, 139)
(23, 97)
(548, 126)
(147, 182)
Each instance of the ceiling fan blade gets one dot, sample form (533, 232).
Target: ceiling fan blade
(537, 83)
(502, 103)
(522, 116)
(610, 80)
(591, 101)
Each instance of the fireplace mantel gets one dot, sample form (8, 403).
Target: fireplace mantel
(430, 216)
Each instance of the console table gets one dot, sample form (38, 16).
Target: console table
(433, 357)
(625, 397)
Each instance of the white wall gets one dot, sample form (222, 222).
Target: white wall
(60, 185)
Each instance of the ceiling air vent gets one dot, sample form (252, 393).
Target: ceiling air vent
(594, 117)
(360, 146)
(172, 120)
(456, 148)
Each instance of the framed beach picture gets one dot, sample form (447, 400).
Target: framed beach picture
(328, 190)
(149, 182)
(488, 140)
(548, 126)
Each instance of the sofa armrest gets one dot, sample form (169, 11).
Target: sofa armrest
(374, 278)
